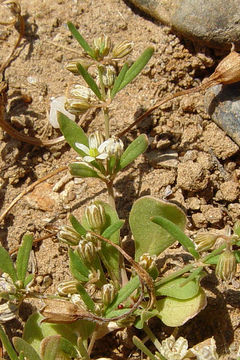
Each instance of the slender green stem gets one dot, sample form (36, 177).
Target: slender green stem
(152, 337)
(106, 123)
(102, 87)
(186, 268)
(111, 198)
(143, 348)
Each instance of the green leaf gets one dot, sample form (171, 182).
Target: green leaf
(6, 264)
(86, 47)
(140, 345)
(50, 347)
(175, 290)
(137, 147)
(7, 344)
(108, 254)
(28, 351)
(28, 279)
(112, 229)
(137, 67)
(89, 80)
(82, 170)
(67, 348)
(179, 235)
(77, 226)
(213, 260)
(122, 295)
(119, 80)
(72, 133)
(77, 268)
(35, 331)
(86, 298)
(237, 255)
(83, 350)
(176, 312)
(144, 317)
(149, 237)
(23, 257)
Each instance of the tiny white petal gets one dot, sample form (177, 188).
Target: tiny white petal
(103, 146)
(82, 147)
(102, 156)
(57, 104)
(88, 158)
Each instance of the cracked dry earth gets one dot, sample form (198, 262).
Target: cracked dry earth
(189, 161)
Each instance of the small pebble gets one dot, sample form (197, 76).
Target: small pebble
(32, 80)
(192, 176)
(212, 214)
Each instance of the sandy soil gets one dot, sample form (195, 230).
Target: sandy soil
(198, 166)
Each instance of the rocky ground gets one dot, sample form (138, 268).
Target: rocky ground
(190, 160)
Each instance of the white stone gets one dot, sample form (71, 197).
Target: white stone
(57, 104)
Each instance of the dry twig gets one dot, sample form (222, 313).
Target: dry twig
(30, 188)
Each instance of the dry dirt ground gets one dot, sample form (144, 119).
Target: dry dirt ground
(198, 166)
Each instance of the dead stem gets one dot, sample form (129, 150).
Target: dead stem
(161, 102)
(144, 277)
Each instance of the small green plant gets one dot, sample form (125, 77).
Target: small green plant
(101, 296)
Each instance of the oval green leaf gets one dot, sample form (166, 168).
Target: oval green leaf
(174, 289)
(149, 237)
(137, 147)
(82, 170)
(72, 133)
(176, 312)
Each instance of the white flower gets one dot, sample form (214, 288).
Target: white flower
(207, 352)
(113, 147)
(173, 349)
(8, 311)
(96, 149)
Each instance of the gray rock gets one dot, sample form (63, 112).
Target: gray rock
(223, 105)
(215, 23)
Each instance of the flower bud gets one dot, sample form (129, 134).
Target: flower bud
(72, 65)
(68, 235)
(108, 76)
(122, 49)
(82, 92)
(95, 140)
(148, 262)
(76, 299)
(8, 311)
(108, 294)
(67, 287)
(227, 71)
(76, 106)
(95, 215)
(6, 285)
(173, 349)
(79, 100)
(97, 243)
(226, 266)
(205, 241)
(113, 147)
(236, 228)
(94, 276)
(102, 45)
(87, 251)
